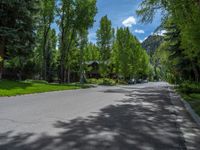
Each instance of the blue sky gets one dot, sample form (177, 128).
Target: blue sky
(122, 14)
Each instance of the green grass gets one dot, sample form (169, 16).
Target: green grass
(191, 93)
(13, 88)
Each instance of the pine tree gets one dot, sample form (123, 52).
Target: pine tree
(16, 28)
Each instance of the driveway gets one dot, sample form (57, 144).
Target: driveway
(140, 117)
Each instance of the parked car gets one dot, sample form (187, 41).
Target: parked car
(139, 81)
(132, 81)
(145, 81)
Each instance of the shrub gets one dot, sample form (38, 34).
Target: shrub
(102, 81)
(190, 87)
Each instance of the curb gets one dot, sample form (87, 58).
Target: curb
(189, 132)
(191, 111)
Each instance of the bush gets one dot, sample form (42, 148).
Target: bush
(102, 81)
(190, 87)
(122, 82)
(107, 81)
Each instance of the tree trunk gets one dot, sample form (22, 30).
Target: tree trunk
(68, 75)
(44, 52)
(62, 71)
(82, 76)
(81, 71)
(2, 51)
(196, 73)
(62, 49)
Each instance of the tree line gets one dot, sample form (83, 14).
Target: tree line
(30, 47)
(178, 57)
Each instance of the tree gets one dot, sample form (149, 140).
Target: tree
(91, 52)
(16, 28)
(104, 42)
(74, 17)
(83, 43)
(130, 59)
(51, 56)
(123, 51)
(47, 14)
(184, 15)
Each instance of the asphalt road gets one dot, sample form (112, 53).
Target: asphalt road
(140, 117)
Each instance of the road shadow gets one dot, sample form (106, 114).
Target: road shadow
(143, 121)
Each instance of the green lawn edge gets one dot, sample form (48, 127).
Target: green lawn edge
(14, 88)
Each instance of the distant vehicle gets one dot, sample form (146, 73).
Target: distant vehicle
(145, 81)
(132, 81)
(139, 81)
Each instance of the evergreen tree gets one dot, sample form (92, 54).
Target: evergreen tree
(16, 28)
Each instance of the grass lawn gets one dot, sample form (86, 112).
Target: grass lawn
(13, 88)
(191, 93)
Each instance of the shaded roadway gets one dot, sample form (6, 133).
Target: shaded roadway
(139, 117)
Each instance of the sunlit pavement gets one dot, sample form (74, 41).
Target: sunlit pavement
(139, 117)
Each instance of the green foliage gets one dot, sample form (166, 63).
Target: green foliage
(74, 18)
(190, 91)
(102, 81)
(161, 64)
(104, 42)
(30, 48)
(193, 100)
(181, 20)
(91, 53)
(129, 59)
(17, 23)
(34, 49)
(45, 37)
(17, 26)
(189, 87)
(148, 9)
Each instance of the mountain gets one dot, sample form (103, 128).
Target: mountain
(152, 43)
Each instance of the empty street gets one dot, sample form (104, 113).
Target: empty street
(139, 117)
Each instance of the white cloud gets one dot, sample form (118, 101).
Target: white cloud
(139, 31)
(129, 22)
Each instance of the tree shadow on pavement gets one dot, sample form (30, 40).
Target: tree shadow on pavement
(140, 122)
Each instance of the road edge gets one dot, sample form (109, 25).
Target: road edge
(191, 111)
(188, 107)
(187, 124)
